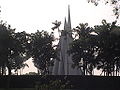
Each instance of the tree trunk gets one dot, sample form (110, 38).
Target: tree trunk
(17, 71)
(116, 71)
(20, 72)
(84, 69)
(38, 71)
(9, 71)
(113, 71)
(0, 70)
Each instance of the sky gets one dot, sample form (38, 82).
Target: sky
(33, 15)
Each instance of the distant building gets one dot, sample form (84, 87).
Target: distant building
(63, 66)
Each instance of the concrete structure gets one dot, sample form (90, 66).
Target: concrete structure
(63, 66)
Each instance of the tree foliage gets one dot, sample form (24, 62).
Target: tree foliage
(12, 46)
(97, 47)
(17, 47)
(42, 50)
(82, 49)
(108, 42)
(115, 4)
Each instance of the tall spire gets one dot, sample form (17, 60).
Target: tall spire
(69, 18)
(65, 24)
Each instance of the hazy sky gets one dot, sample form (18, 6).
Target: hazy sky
(32, 15)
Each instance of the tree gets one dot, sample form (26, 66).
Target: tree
(82, 49)
(108, 42)
(22, 48)
(19, 64)
(12, 45)
(5, 45)
(3, 39)
(42, 50)
(115, 4)
(97, 47)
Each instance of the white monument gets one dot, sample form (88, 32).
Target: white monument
(63, 66)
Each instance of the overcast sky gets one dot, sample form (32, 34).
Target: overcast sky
(32, 15)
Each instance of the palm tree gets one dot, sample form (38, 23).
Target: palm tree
(108, 43)
(82, 49)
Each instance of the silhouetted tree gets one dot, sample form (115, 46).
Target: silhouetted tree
(3, 38)
(115, 4)
(108, 42)
(82, 49)
(5, 45)
(12, 45)
(97, 47)
(22, 48)
(42, 50)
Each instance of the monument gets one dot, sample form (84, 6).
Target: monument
(63, 66)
